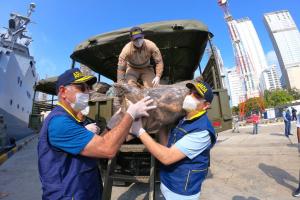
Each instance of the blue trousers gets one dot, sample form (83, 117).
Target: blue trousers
(287, 128)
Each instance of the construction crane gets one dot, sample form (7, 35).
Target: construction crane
(242, 59)
(243, 62)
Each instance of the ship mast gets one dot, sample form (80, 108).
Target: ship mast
(17, 25)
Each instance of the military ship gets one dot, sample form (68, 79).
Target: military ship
(17, 73)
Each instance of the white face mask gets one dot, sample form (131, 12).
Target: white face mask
(190, 103)
(85, 111)
(81, 102)
(138, 42)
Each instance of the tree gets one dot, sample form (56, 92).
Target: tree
(254, 104)
(235, 110)
(277, 98)
(295, 93)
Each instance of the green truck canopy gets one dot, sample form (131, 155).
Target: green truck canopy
(181, 42)
(47, 86)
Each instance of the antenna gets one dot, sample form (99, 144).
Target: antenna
(31, 9)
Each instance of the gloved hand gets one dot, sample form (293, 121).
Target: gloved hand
(93, 128)
(121, 80)
(155, 81)
(114, 120)
(137, 128)
(140, 108)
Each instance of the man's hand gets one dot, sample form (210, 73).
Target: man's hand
(155, 81)
(114, 119)
(93, 128)
(140, 108)
(137, 128)
(298, 147)
(121, 74)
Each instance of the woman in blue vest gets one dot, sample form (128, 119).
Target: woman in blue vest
(67, 149)
(186, 156)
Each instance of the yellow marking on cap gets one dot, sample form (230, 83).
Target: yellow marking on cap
(136, 32)
(83, 79)
(77, 74)
(202, 87)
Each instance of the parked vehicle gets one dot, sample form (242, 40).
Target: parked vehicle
(182, 44)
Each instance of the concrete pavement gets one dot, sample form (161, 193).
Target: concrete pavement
(243, 167)
(19, 175)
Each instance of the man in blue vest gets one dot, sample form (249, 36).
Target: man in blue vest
(67, 149)
(186, 156)
(287, 122)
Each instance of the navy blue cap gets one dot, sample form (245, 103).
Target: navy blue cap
(74, 76)
(136, 32)
(203, 89)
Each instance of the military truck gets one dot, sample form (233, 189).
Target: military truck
(182, 44)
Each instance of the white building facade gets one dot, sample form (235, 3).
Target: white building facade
(254, 51)
(235, 87)
(220, 64)
(285, 37)
(270, 79)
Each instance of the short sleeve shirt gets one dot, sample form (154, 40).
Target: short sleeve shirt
(67, 135)
(193, 144)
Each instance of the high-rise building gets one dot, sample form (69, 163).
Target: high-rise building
(236, 89)
(220, 64)
(269, 79)
(253, 49)
(285, 37)
(249, 56)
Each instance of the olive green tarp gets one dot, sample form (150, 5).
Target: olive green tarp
(47, 86)
(181, 42)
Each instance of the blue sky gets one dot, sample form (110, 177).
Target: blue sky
(61, 25)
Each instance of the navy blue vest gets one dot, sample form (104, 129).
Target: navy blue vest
(65, 176)
(186, 176)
